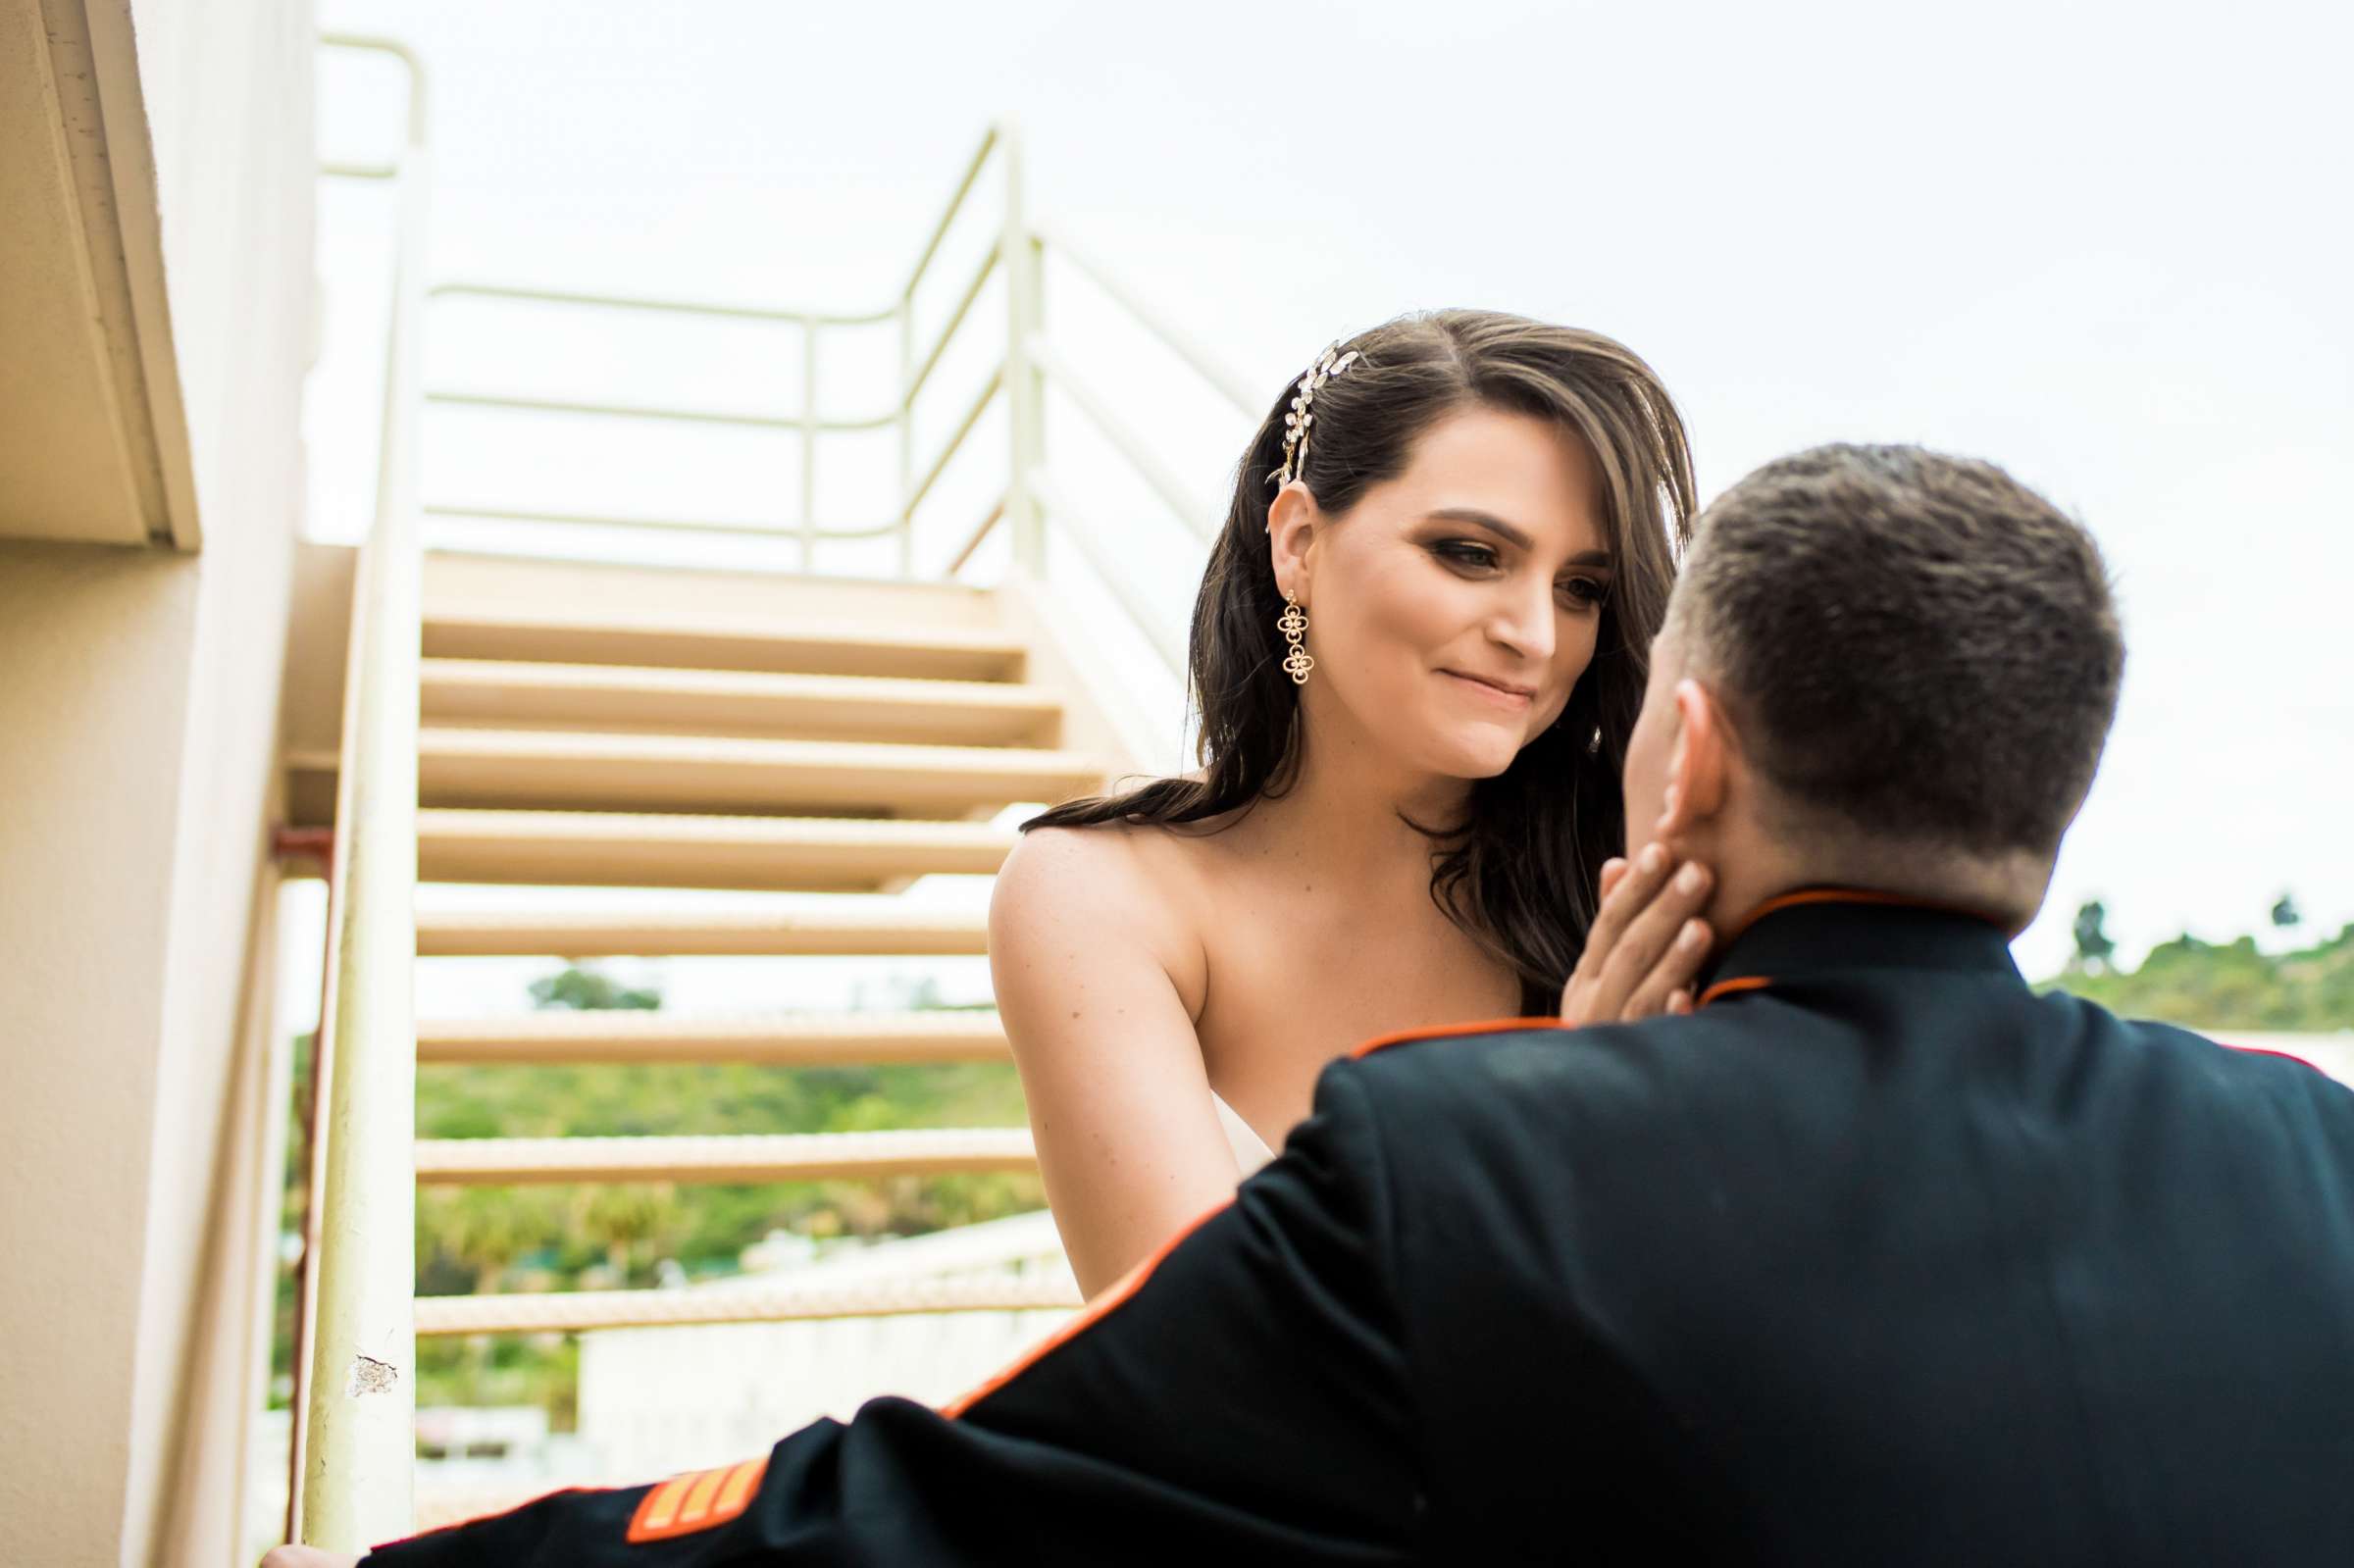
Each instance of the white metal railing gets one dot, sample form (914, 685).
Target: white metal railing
(353, 1446)
(355, 1411)
(1020, 374)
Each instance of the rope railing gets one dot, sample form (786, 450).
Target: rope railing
(579, 1311)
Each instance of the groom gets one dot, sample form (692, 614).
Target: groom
(1877, 1257)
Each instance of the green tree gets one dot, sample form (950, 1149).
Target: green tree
(2093, 947)
(2231, 985)
(589, 989)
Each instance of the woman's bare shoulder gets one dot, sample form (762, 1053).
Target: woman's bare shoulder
(1111, 890)
(1144, 868)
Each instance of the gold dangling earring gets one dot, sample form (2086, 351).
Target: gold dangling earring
(1294, 626)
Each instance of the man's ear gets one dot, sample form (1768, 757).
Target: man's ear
(1698, 764)
(1293, 523)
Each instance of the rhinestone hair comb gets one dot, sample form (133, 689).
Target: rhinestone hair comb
(1332, 361)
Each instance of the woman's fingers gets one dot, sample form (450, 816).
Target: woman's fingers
(1648, 939)
(1622, 899)
(1592, 996)
(1642, 951)
(1672, 974)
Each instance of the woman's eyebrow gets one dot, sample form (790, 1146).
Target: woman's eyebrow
(1474, 518)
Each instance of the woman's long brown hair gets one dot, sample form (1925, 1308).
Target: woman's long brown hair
(1520, 873)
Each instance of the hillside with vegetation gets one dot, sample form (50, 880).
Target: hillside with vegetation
(2216, 985)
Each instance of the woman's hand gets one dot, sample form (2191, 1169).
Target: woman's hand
(1647, 944)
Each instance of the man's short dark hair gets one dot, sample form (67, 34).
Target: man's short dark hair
(1914, 645)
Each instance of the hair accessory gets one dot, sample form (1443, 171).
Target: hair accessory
(1294, 627)
(1332, 361)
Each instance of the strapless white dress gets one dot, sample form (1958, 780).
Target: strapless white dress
(1250, 1151)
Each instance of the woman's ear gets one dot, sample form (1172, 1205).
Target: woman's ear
(1697, 763)
(1292, 522)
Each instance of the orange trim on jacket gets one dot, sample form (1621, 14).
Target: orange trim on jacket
(1844, 896)
(1116, 1295)
(1729, 988)
(1088, 1316)
(1492, 1025)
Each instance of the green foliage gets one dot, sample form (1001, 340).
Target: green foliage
(486, 1238)
(2232, 986)
(2093, 947)
(565, 1238)
(583, 989)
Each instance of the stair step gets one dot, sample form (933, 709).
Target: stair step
(683, 932)
(717, 640)
(752, 1157)
(549, 770)
(573, 1312)
(796, 1040)
(786, 854)
(825, 707)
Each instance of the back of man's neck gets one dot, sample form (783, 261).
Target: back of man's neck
(2007, 890)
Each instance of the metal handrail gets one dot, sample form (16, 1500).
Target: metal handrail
(972, 417)
(1125, 590)
(939, 229)
(649, 411)
(1203, 363)
(355, 1442)
(940, 346)
(1193, 510)
(763, 530)
(1027, 366)
(673, 307)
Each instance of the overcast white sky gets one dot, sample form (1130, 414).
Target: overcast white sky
(2102, 246)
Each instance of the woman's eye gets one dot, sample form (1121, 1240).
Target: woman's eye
(1463, 553)
(1584, 592)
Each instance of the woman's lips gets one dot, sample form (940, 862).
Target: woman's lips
(1510, 698)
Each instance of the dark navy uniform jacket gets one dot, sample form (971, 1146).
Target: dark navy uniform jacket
(1879, 1257)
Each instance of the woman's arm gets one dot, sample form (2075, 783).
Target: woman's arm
(1087, 953)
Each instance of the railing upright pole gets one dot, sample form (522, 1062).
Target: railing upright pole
(359, 1437)
(906, 429)
(1025, 389)
(808, 443)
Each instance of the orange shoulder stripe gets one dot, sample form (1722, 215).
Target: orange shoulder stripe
(700, 1499)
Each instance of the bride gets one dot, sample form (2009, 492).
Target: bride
(1417, 651)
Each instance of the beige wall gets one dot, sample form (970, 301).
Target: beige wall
(139, 702)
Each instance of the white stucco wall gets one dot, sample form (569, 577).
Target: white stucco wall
(137, 726)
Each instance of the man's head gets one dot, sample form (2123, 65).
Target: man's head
(1881, 667)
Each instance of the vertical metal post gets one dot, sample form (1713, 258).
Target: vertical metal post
(359, 1444)
(1025, 386)
(906, 429)
(808, 443)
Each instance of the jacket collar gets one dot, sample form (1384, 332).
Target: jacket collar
(1821, 929)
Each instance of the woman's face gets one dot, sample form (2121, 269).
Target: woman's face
(1452, 609)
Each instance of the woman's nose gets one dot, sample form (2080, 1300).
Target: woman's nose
(1524, 624)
